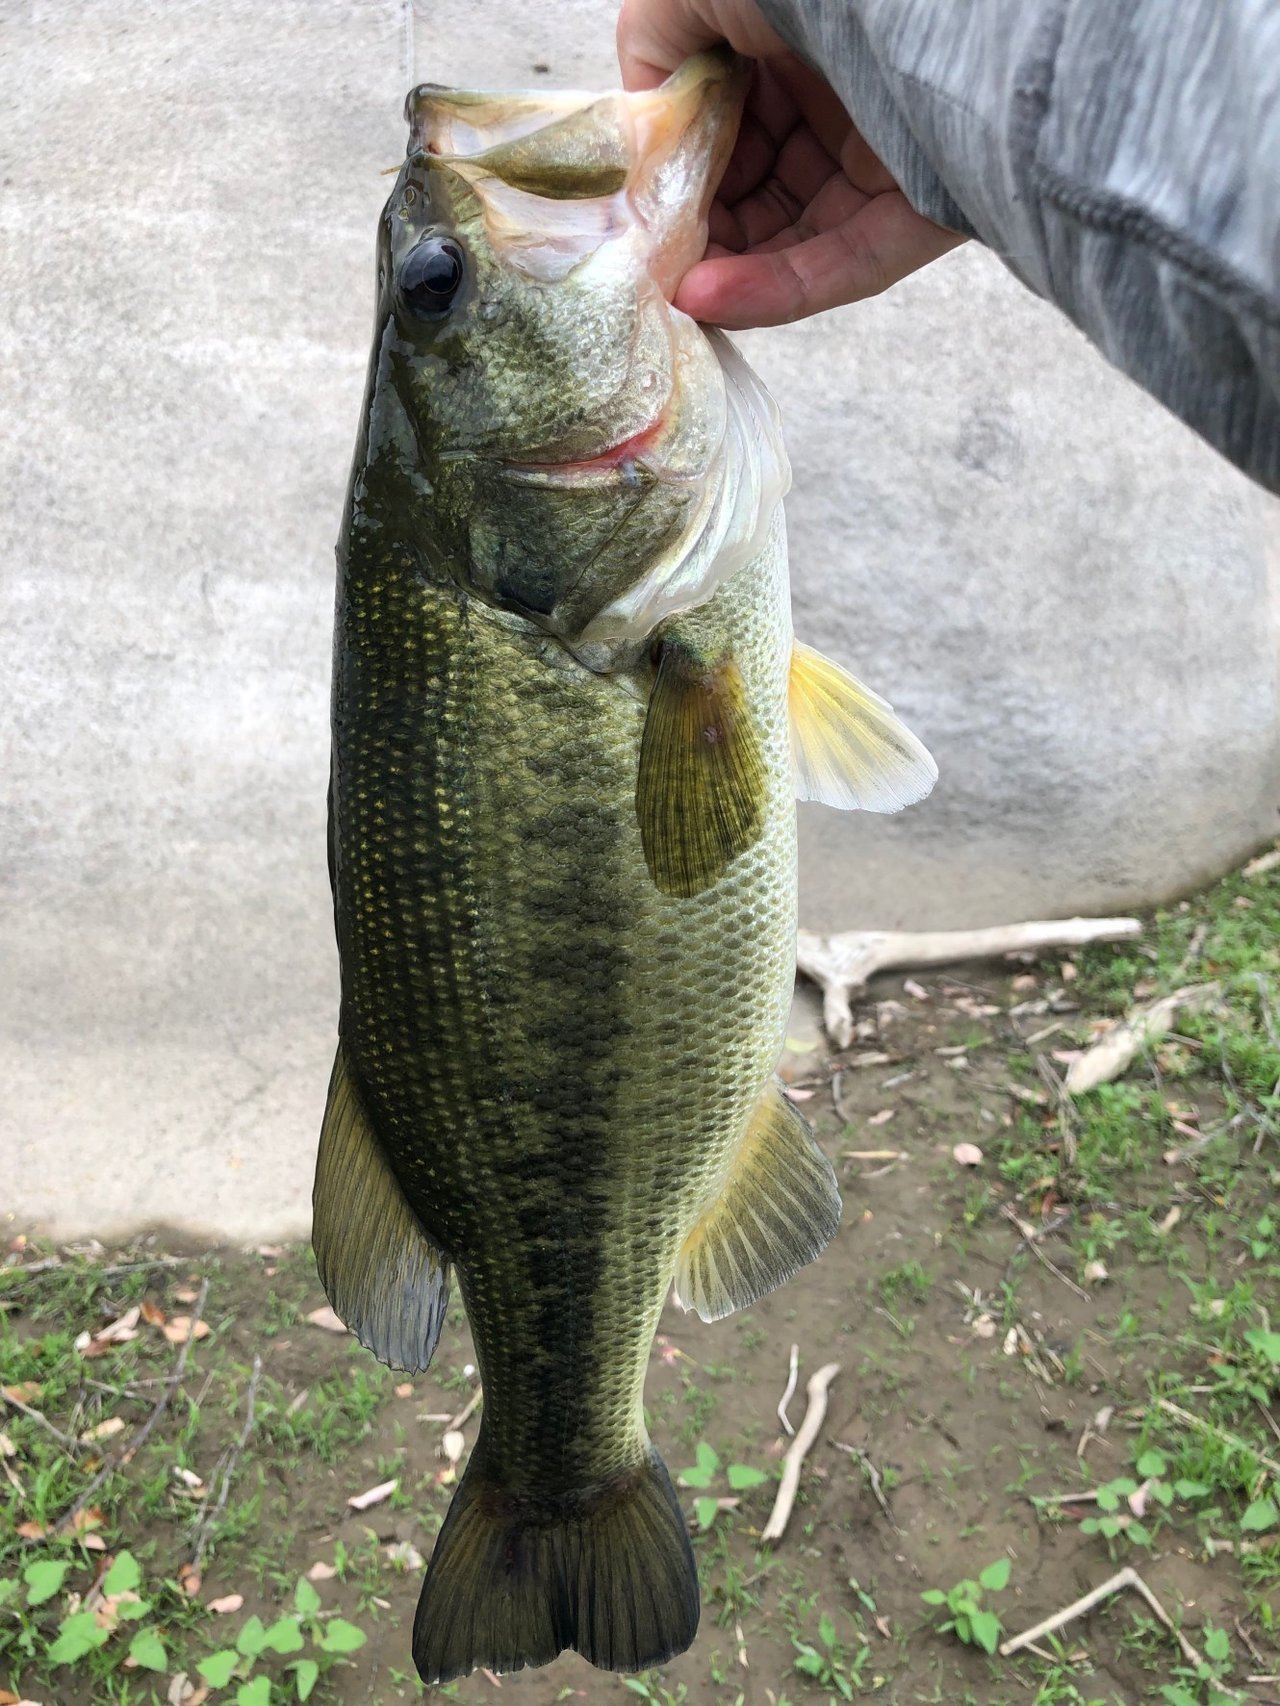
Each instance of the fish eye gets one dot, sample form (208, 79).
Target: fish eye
(432, 276)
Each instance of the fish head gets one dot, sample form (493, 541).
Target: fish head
(570, 427)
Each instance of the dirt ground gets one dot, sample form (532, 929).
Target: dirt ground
(1086, 1301)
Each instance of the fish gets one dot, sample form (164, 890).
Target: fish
(570, 723)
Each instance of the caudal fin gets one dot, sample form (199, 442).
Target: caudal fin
(514, 1581)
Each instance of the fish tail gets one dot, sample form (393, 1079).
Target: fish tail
(514, 1580)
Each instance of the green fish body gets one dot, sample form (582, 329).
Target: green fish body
(562, 844)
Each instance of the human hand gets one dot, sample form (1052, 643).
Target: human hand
(806, 217)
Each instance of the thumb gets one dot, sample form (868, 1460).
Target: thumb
(655, 36)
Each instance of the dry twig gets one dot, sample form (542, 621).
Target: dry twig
(126, 1452)
(466, 1412)
(227, 1468)
(73, 1446)
(873, 1476)
(798, 1449)
(1029, 1239)
(1126, 1578)
(793, 1374)
(1233, 1440)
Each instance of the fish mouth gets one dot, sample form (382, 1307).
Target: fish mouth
(623, 461)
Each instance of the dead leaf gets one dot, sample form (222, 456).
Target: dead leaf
(375, 1495)
(1024, 981)
(490, 1677)
(117, 1332)
(1170, 1221)
(1137, 1500)
(453, 1444)
(179, 1328)
(227, 1604)
(405, 1389)
(321, 1572)
(795, 1095)
(152, 1313)
(30, 1531)
(86, 1520)
(25, 1393)
(404, 1555)
(183, 1692)
(185, 1294)
(327, 1319)
(190, 1480)
(967, 1154)
(271, 1251)
(104, 1430)
(984, 1327)
(883, 1117)
(7, 1447)
(189, 1580)
(93, 1543)
(916, 991)
(1095, 1273)
(1067, 971)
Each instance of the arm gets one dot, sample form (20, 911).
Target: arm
(1122, 157)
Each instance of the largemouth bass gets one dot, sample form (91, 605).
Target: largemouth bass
(569, 728)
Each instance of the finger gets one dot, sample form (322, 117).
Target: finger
(654, 36)
(835, 204)
(827, 117)
(800, 184)
(882, 244)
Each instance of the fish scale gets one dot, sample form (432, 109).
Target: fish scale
(516, 1051)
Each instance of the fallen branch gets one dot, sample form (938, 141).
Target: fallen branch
(793, 1374)
(208, 1517)
(1121, 1042)
(1126, 1578)
(128, 1451)
(842, 965)
(798, 1450)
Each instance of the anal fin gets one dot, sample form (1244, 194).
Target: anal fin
(702, 784)
(850, 750)
(384, 1277)
(779, 1209)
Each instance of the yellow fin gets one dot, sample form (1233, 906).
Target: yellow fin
(382, 1274)
(700, 791)
(850, 750)
(780, 1208)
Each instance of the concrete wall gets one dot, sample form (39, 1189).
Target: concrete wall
(1064, 592)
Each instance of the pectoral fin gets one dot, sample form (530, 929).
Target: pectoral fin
(779, 1209)
(850, 750)
(701, 787)
(382, 1274)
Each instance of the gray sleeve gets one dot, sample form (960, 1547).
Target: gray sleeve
(1122, 157)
